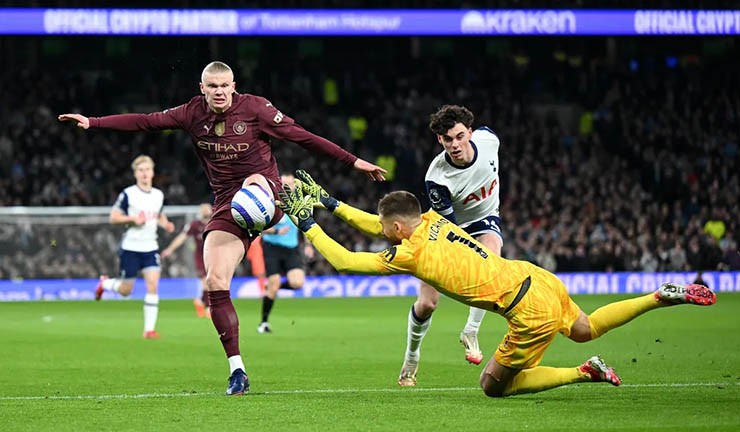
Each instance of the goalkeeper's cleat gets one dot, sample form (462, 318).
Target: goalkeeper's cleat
(238, 383)
(673, 293)
(99, 287)
(200, 308)
(151, 334)
(473, 353)
(408, 374)
(597, 369)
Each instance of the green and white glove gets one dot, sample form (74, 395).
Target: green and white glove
(317, 193)
(297, 206)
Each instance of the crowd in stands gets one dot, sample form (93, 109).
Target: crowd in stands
(608, 163)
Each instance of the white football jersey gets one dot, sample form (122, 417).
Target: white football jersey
(133, 201)
(470, 193)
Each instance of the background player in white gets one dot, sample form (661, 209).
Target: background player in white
(462, 184)
(140, 208)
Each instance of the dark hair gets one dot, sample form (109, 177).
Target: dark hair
(448, 116)
(399, 203)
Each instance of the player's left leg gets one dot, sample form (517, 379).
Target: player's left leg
(469, 335)
(151, 302)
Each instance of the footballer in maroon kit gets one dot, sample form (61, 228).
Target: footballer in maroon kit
(195, 229)
(231, 134)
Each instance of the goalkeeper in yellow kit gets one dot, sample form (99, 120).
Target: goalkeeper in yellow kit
(534, 301)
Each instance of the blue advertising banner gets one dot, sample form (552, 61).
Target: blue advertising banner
(367, 22)
(355, 286)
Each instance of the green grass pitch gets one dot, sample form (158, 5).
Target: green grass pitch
(332, 364)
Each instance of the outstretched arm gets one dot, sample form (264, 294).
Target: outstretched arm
(168, 119)
(345, 261)
(368, 223)
(279, 125)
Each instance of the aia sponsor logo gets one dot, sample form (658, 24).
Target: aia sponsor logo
(482, 193)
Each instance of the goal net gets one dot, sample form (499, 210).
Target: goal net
(77, 242)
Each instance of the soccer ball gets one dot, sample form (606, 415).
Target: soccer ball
(252, 208)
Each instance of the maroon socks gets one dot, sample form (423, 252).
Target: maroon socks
(225, 320)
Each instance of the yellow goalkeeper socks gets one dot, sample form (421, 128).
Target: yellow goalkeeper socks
(543, 378)
(616, 314)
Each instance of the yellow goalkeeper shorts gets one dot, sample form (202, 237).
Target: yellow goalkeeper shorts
(545, 310)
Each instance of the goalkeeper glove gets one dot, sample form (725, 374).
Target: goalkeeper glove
(297, 206)
(317, 193)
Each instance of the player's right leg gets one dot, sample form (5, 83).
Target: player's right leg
(469, 335)
(222, 253)
(419, 320)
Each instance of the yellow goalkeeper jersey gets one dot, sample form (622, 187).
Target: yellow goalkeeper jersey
(438, 252)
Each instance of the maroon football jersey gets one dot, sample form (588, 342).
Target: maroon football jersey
(195, 230)
(231, 145)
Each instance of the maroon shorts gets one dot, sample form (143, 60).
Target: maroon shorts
(221, 219)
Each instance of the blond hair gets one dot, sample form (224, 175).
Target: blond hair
(140, 160)
(215, 67)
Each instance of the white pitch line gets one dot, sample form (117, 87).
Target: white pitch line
(332, 391)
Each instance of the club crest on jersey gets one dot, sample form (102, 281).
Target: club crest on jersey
(240, 127)
(434, 196)
(220, 128)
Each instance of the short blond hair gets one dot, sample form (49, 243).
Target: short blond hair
(215, 67)
(140, 160)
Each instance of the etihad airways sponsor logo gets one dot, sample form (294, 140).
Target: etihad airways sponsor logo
(222, 151)
(222, 147)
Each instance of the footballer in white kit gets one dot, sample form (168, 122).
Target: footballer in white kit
(462, 184)
(468, 195)
(139, 207)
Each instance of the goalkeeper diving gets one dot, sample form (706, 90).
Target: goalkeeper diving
(533, 301)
